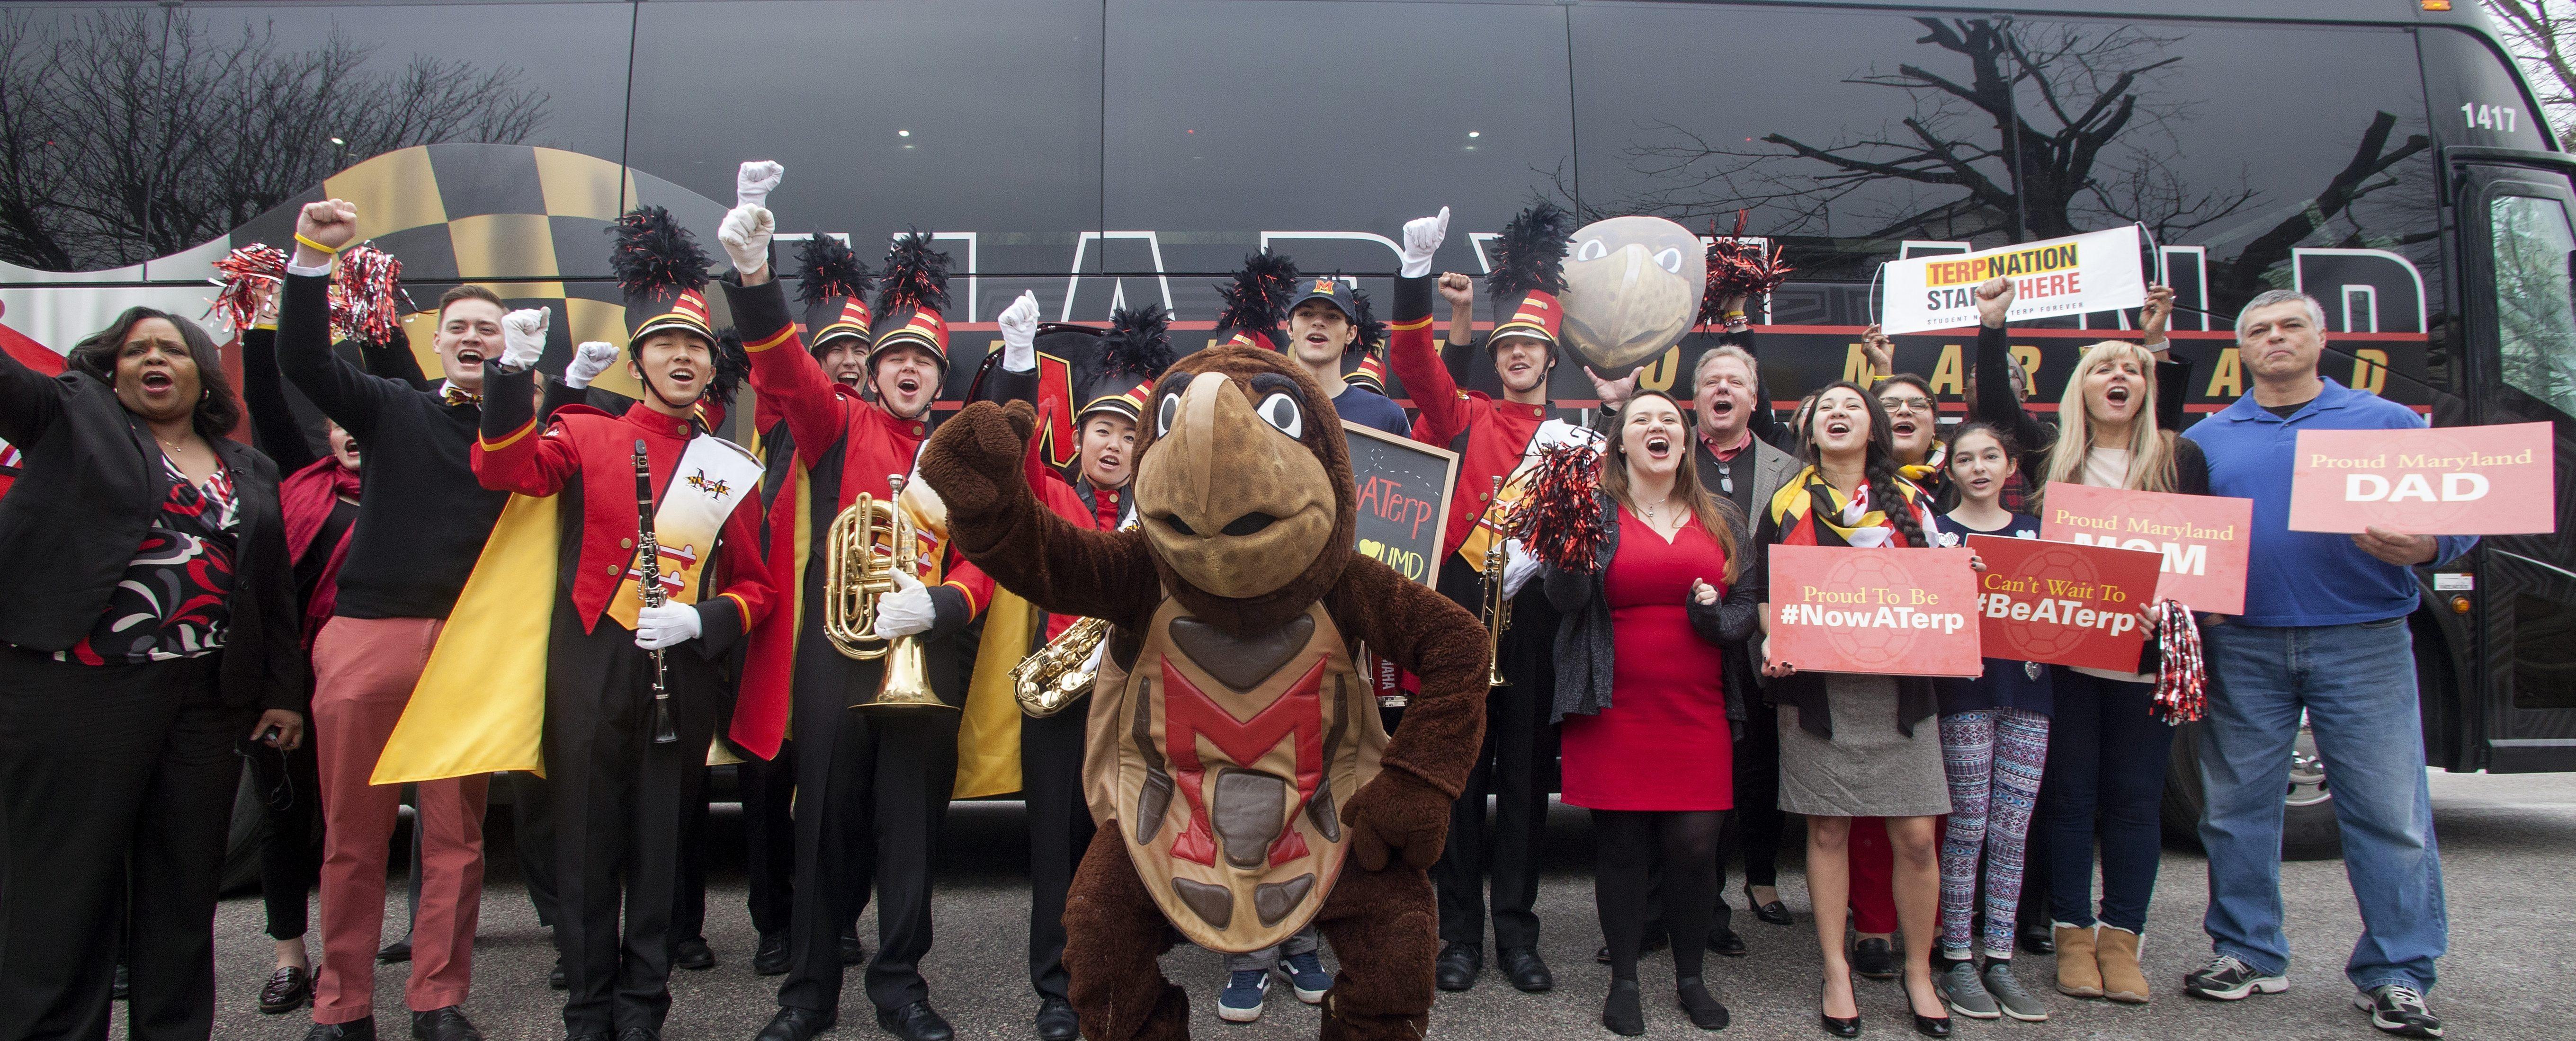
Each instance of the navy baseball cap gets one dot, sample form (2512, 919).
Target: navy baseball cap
(1333, 289)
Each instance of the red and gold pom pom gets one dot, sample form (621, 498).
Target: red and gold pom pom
(247, 275)
(1559, 518)
(367, 298)
(2182, 679)
(1738, 268)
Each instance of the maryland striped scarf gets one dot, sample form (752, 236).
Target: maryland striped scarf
(1844, 520)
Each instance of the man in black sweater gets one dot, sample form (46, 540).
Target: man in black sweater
(422, 522)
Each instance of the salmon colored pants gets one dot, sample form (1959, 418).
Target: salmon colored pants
(363, 670)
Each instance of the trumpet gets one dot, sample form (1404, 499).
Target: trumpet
(1059, 672)
(854, 577)
(1498, 607)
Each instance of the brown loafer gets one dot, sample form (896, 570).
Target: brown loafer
(288, 989)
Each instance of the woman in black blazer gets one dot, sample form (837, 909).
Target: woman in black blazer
(151, 616)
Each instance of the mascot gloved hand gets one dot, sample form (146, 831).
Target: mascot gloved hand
(1397, 819)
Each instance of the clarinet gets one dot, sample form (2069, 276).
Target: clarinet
(648, 552)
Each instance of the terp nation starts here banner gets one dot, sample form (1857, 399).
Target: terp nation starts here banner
(2492, 480)
(2064, 603)
(2095, 271)
(1905, 612)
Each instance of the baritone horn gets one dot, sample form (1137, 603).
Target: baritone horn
(855, 577)
(1059, 672)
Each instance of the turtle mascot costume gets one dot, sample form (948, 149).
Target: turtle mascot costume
(1242, 781)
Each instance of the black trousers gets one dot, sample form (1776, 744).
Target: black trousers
(872, 795)
(1753, 827)
(290, 846)
(689, 896)
(532, 830)
(102, 767)
(1515, 766)
(768, 792)
(1060, 829)
(618, 800)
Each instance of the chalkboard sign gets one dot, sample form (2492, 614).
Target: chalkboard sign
(1403, 489)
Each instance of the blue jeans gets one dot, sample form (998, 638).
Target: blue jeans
(2357, 683)
(2106, 752)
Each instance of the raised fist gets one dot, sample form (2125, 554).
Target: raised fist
(588, 361)
(523, 337)
(755, 180)
(975, 458)
(1994, 298)
(1019, 324)
(1422, 237)
(332, 223)
(745, 234)
(1458, 289)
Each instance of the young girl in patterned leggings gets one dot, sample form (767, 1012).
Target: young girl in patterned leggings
(1994, 741)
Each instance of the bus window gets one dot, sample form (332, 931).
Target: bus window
(2535, 330)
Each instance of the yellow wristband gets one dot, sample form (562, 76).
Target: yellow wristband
(1732, 315)
(302, 241)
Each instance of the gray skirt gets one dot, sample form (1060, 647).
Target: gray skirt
(1870, 768)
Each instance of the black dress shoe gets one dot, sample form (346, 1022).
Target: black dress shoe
(1056, 1021)
(1723, 941)
(287, 990)
(1931, 1026)
(691, 954)
(1838, 1026)
(396, 952)
(443, 1024)
(795, 1024)
(555, 978)
(1621, 1012)
(353, 1030)
(770, 958)
(1691, 993)
(2036, 938)
(1874, 958)
(1775, 912)
(1527, 971)
(915, 1022)
(1458, 965)
(852, 951)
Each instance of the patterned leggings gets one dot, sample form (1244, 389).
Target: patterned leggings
(1994, 757)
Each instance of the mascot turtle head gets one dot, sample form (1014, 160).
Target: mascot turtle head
(1243, 487)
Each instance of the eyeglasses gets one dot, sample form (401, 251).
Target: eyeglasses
(1906, 404)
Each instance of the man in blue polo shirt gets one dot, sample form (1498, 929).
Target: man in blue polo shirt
(2324, 631)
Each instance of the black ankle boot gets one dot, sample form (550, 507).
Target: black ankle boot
(1702, 1007)
(1622, 1012)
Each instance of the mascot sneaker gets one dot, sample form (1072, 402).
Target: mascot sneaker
(1241, 1001)
(1306, 974)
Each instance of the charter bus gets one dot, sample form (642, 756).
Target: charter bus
(2383, 155)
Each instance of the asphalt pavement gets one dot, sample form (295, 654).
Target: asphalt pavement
(2506, 843)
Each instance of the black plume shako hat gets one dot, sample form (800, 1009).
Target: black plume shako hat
(1364, 363)
(1130, 357)
(1256, 301)
(663, 274)
(911, 294)
(833, 285)
(1529, 275)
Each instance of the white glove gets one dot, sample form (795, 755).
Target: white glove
(1019, 324)
(905, 611)
(523, 337)
(666, 626)
(755, 180)
(1422, 237)
(1518, 567)
(1092, 664)
(588, 361)
(745, 234)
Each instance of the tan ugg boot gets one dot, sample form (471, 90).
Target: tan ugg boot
(2079, 975)
(2117, 953)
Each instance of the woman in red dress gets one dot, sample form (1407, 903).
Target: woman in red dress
(1642, 698)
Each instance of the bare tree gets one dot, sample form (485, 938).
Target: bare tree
(2029, 137)
(2542, 36)
(132, 134)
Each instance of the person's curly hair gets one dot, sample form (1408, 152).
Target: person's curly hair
(217, 411)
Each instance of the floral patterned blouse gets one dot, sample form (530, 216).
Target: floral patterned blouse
(174, 601)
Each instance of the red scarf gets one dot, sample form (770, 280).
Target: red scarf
(307, 497)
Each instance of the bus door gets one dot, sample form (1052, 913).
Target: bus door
(2517, 224)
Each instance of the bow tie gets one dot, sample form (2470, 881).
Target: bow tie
(461, 396)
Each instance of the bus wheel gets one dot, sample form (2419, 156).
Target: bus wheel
(2308, 829)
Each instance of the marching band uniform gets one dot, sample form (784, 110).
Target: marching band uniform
(862, 778)
(1493, 438)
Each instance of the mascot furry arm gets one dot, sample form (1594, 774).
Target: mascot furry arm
(1216, 472)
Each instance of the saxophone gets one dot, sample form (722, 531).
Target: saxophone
(1059, 672)
(1498, 607)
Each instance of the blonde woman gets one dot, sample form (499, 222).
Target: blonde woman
(2106, 751)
